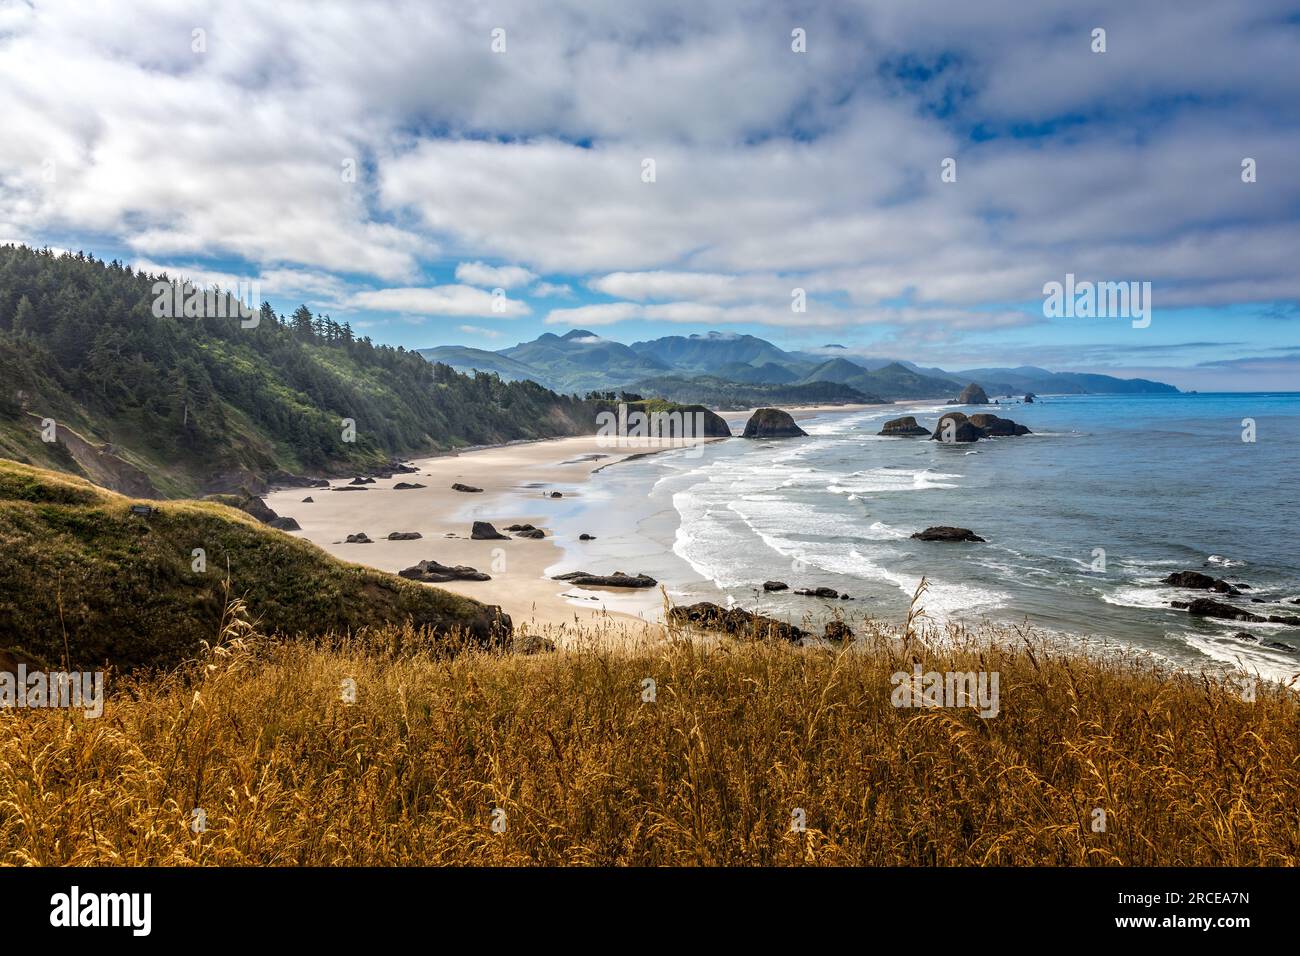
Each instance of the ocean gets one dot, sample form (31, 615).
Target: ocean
(1083, 519)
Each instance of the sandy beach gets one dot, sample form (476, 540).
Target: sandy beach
(517, 482)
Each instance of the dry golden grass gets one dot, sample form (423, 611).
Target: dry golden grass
(739, 737)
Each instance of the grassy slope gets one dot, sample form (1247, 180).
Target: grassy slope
(739, 737)
(74, 559)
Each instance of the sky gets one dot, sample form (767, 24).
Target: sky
(477, 172)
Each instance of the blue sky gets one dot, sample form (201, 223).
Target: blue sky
(390, 165)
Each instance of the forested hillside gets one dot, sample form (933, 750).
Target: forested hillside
(181, 405)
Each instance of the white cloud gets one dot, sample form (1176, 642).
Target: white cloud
(482, 274)
(548, 290)
(440, 300)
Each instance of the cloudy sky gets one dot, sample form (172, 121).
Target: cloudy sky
(475, 172)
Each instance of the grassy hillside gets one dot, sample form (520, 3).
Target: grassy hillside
(79, 571)
(713, 770)
(205, 404)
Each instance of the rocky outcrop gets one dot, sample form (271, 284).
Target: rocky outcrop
(1271, 645)
(431, 572)
(285, 524)
(526, 531)
(586, 537)
(772, 423)
(1029, 398)
(404, 536)
(248, 503)
(351, 488)
(972, 394)
(616, 580)
(361, 481)
(991, 426)
(557, 494)
(457, 486)
(359, 538)
(838, 631)
(483, 531)
(1208, 607)
(983, 425)
(733, 621)
(946, 533)
(955, 427)
(775, 586)
(532, 644)
(905, 427)
(405, 485)
(1200, 582)
(308, 500)
(830, 593)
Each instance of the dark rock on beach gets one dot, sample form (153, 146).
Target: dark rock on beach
(775, 586)
(457, 486)
(285, 524)
(1207, 607)
(1199, 581)
(359, 538)
(586, 537)
(556, 494)
(616, 580)
(1029, 398)
(733, 621)
(1271, 645)
(404, 535)
(483, 531)
(818, 592)
(526, 531)
(431, 572)
(772, 423)
(308, 500)
(404, 485)
(946, 533)
(905, 427)
(352, 488)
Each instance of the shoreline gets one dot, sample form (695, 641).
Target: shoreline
(517, 480)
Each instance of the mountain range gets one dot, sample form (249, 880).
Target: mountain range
(712, 368)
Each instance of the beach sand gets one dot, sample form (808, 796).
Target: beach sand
(517, 481)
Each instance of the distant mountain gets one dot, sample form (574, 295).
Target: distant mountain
(769, 373)
(581, 361)
(465, 359)
(724, 394)
(711, 351)
(1027, 378)
(894, 381)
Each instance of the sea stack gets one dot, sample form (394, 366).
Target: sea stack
(972, 394)
(772, 423)
(905, 427)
